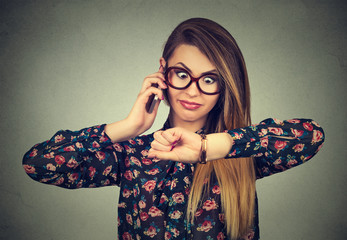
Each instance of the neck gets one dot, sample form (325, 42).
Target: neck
(192, 126)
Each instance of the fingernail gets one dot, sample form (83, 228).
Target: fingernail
(174, 143)
(172, 147)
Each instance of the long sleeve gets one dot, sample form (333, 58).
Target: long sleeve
(277, 145)
(74, 159)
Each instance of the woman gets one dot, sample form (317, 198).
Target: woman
(206, 189)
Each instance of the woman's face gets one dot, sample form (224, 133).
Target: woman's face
(190, 107)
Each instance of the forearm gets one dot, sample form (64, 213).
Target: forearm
(277, 145)
(218, 145)
(120, 131)
(72, 159)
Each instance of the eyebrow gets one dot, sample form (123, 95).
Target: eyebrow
(190, 71)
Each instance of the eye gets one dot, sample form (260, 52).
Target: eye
(209, 80)
(182, 74)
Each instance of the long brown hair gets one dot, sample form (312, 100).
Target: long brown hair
(236, 177)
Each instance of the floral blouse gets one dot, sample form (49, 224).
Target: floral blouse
(153, 194)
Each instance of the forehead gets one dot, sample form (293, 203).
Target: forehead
(192, 57)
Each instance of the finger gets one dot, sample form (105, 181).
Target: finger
(144, 96)
(158, 74)
(159, 137)
(156, 91)
(170, 136)
(155, 145)
(162, 155)
(161, 69)
(156, 78)
(157, 83)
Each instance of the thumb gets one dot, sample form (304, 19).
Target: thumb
(162, 155)
(172, 136)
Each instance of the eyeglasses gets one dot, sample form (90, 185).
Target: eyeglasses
(180, 78)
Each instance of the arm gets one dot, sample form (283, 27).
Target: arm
(277, 145)
(86, 158)
(179, 144)
(139, 120)
(77, 159)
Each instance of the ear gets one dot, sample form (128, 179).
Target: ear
(162, 62)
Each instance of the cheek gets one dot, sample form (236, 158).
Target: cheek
(172, 95)
(213, 101)
(167, 96)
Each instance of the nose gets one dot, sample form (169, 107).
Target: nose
(193, 90)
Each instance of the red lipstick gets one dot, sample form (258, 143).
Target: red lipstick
(189, 105)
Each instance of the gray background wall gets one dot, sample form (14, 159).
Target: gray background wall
(73, 64)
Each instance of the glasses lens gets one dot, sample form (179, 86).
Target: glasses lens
(180, 78)
(209, 83)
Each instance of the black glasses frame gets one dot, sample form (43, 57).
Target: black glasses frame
(192, 79)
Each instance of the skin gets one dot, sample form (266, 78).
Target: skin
(181, 116)
(179, 143)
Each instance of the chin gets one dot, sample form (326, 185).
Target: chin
(192, 117)
(189, 116)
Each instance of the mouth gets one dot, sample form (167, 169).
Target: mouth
(190, 105)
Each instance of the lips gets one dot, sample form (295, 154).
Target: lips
(190, 105)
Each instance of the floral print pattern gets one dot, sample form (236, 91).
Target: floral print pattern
(153, 194)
